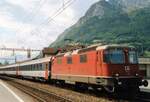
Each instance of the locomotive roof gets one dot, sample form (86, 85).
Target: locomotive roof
(113, 46)
(92, 48)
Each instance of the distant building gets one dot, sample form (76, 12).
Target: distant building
(49, 52)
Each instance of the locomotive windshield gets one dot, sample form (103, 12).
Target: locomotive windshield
(133, 57)
(114, 56)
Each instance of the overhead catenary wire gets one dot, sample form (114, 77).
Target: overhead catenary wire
(50, 18)
(36, 31)
(31, 15)
(36, 9)
(35, 12)
(53, 16)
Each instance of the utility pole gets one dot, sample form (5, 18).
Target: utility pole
(20, 49)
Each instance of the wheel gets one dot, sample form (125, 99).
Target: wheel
(109, 89)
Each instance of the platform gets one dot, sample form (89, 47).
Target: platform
(11, 94)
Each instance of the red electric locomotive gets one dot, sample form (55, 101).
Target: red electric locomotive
(111, 67)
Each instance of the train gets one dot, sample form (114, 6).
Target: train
(109, 67)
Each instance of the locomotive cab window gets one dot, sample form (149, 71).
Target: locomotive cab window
(83, 58)
(69, 60)
(133, 57)
(114, 56)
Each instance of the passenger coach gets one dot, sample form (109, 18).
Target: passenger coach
(35, 69)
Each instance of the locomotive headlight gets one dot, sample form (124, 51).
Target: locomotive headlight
(119, 83)
(136, 74)
(117, 75)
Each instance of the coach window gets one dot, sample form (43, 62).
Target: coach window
(25, 67)
(69, 60)
(34, 67)
(29, 67)
(41, 67)
(37, 67)
(22, 68)
(83, 58)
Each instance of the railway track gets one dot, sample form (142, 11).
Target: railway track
(67, 93)
(43, 95)
(38, 94)
(143, 97)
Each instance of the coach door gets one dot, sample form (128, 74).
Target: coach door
(46, 70)
(49, 68)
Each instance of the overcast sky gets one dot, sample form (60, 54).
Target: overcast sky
(20, 21)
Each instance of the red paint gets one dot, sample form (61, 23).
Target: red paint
(95, 66)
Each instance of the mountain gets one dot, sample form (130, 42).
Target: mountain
(113, 21)
(131, 5)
